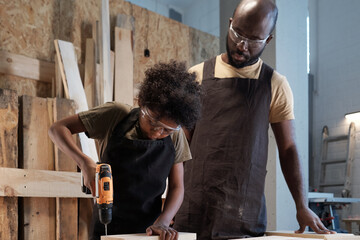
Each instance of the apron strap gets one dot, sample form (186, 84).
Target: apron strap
(209, 68)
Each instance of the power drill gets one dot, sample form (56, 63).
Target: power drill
(103, 192)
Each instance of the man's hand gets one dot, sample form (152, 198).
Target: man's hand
(165, 232)
(306, 217)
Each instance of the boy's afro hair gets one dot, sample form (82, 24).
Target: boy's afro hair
(172, 92)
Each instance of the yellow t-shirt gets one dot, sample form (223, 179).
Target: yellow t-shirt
(282, 103)
(101, 121)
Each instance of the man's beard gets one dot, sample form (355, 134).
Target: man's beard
(247, 62)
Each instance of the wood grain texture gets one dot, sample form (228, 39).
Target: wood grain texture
(65, 207)
(75, 90)
(8, 158)
(39, 213)
(90, 72)
(15, 182)
(104, 47)
(26, 67)
(124, 64)
(140, 236)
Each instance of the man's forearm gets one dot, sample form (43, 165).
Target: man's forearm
(291, 168)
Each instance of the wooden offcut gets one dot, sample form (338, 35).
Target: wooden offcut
(8, 158)
(39, 213)
(142, 236)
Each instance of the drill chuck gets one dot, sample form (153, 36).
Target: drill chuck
(105, 214)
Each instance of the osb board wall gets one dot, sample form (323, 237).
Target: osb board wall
(30, 27)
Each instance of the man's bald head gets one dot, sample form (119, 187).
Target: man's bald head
(257, 10)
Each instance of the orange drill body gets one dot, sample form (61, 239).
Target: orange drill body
(104, 193)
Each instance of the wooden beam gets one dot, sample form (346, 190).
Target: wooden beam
(16, 182)
(26, 67)
(142, 236)
(8, 158)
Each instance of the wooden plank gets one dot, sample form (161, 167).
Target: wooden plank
(16, 182)
(142, 236)
(105, 52)
(90, 72)
(66, 53)
(313, 235)
(39, 213)
(65, 207)
(26, 67)
(124, 73)
(58, 87)
(8, 158)
(275, 238)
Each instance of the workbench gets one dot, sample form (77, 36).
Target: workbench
(329, 201)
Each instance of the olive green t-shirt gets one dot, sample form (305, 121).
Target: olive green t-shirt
(101, 121)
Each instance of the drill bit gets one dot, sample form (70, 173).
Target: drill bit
(105, 229)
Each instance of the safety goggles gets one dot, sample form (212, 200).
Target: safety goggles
(156, 124)
(248, 43)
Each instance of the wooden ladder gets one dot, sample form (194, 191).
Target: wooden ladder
(346, 183)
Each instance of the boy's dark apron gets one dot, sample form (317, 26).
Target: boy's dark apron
(224, 183)
(140, 169)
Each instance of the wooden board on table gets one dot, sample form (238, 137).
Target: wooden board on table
(65, 207)
(142, 236)
(338, 236)
(124, 74)
(8, 158)
(26, 67)
(39, 213)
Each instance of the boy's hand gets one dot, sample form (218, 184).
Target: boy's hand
(165, 232)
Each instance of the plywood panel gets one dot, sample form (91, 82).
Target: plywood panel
(25, 86)
(39, 213)
(8, 158)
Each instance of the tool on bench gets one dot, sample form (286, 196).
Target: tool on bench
(103, 192)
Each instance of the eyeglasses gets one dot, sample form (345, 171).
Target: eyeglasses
(156, 124)
(248, 43)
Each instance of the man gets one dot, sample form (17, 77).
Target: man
(144, 146)
(224, 183)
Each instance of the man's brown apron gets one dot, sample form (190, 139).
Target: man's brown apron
(224, 182)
